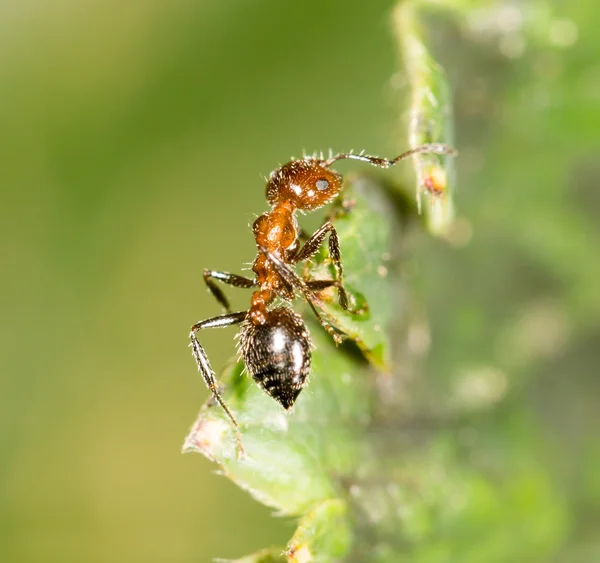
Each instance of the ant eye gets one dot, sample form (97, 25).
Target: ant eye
(322, 184)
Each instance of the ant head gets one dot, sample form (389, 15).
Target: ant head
(277, 354)
(307, 184)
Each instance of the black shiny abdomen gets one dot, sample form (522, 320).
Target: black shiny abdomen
(277, 354)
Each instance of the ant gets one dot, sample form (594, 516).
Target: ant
(275, 344)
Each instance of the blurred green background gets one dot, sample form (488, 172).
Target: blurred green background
(134, 141)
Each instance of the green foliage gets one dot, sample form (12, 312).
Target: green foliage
(133, 137)
(346, 462)
(444, 459)
(400, 468)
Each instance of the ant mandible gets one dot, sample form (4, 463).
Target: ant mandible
(275, 344)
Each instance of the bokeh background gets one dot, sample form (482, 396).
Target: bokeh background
(134, 141)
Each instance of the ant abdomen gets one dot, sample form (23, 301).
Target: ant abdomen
(277, 354)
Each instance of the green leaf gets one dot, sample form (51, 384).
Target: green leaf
(323, 535)
(431, 119)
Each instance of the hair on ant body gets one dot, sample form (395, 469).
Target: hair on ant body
(275, 343)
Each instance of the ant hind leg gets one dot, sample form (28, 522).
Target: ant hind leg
(205, 368)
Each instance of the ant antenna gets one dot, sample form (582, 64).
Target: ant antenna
(430, 148)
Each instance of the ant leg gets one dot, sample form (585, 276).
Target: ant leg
(312, 246)
(204, 365)
(430, 148)
(293, 279)
(225, 277)
(320, 285)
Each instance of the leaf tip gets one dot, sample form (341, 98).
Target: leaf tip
(205, 437)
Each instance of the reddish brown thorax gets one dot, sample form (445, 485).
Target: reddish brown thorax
(298, 185)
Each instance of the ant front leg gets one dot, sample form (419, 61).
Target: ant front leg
(204, 365)
(311, 247)
(225, 277)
